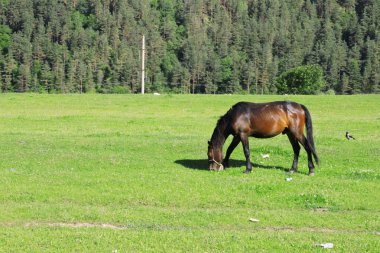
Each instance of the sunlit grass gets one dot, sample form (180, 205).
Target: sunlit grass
(139, 163)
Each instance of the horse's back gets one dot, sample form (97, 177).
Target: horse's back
(264, 120)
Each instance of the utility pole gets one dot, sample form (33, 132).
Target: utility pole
(143, 65)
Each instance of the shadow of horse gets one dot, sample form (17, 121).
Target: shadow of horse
(202, 164)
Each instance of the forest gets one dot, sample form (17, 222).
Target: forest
(192, 46)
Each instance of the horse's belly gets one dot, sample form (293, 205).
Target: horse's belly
(268, 130)
(264, 135)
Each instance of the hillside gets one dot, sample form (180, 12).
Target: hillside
(200, 46)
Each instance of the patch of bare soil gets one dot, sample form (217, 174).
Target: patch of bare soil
(75, 225)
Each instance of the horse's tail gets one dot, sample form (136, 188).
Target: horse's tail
(309, 134)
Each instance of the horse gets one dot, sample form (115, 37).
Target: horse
(262, 120)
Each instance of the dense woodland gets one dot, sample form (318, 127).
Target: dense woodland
(193, 46)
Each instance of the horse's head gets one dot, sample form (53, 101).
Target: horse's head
(215, 157)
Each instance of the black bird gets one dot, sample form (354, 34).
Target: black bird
(349, 136)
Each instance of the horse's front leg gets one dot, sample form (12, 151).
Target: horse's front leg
(244, 141)
(230, 149)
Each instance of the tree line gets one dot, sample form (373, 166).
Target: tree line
(197, 46)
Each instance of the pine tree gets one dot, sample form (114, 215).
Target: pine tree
(196, 44)
(10, 67)
(46, 79)
(371, 76)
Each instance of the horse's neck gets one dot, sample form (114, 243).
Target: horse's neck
(219, 136)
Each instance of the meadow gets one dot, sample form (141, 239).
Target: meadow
(128, 173)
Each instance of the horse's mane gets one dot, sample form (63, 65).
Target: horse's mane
(219, 135)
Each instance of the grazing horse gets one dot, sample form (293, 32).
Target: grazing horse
(262, 120)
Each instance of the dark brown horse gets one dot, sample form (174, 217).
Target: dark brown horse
(262, 120)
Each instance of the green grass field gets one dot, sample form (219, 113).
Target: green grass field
(128, 173)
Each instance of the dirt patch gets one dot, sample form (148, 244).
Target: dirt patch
(76, 225)
(314, 230)
(304, 229)
(321, 209)
(84, 225)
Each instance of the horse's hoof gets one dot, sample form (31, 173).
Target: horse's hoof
(292, 171)
(311, 174)
(247, 171)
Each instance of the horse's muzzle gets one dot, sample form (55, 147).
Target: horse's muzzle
(216, 166)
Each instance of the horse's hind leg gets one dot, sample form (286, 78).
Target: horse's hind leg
(310, 164)
(296, 150)
(230, 149)
(244, 141)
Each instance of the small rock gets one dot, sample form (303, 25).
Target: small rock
(253, 220)
(328, 245)
(265, 156)
(288, 179)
